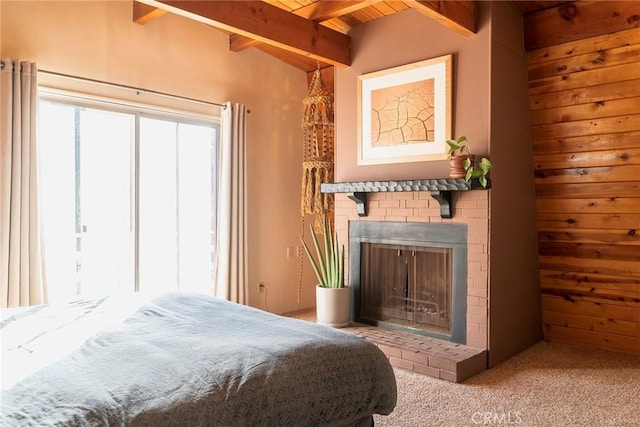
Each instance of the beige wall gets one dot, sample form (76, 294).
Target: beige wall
(515, 316)
(404, 38)
(97, 39)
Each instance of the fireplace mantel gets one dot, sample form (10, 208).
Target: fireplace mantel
(440, 190)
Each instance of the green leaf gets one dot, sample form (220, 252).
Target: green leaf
(341, 268)
(312, 261)
(329, 267)
(452, 147)
(321, 260)
(457, 144)
(483, 181)
(469, 174)
(486, 165)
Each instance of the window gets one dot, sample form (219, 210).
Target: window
(129, 199)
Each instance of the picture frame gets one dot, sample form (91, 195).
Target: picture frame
(404, 113)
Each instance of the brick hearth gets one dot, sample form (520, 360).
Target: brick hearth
(417, 353)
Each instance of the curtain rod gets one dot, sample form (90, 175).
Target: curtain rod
(133, 88)
(121, 86)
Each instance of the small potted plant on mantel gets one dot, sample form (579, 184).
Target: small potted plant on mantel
(462, 162)
(333, 299)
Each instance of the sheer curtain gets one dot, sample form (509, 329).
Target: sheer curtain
(231, 251)
(21, 272)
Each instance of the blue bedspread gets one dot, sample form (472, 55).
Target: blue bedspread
(193, 360)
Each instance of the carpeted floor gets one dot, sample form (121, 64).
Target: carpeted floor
(550, 384)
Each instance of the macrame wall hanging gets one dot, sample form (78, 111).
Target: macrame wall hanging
(317, 156)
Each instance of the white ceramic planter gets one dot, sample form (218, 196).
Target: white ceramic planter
(333, 306)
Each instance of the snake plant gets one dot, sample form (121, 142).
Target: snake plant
(329, 267)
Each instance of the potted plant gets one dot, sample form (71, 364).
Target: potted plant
(333, 299)
(480, 172)
(462, 162)
(458, 152)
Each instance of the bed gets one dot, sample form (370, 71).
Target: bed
(181, 359)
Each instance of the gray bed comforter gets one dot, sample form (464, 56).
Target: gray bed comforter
(194, 360)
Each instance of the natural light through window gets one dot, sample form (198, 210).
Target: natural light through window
(128, 200)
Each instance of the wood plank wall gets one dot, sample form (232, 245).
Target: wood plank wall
(585, 118)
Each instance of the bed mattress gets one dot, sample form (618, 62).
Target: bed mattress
(184, 359)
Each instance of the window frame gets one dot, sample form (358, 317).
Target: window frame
(138, 111)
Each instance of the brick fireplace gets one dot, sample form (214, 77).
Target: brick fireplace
(433, 203)
(468, 207)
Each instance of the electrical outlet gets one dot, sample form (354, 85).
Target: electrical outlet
(289, 251)
(261, 287)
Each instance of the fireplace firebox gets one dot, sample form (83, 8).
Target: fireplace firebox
(410, 276)
(406, 285)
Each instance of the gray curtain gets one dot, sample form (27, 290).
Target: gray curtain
(21, 269)
(231, 281)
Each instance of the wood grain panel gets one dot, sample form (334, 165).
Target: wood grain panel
(604, 311)
(590, 250)
(569, 320)
(589, 190)
(620, 327)
(602, 205)
(595, 295)
(578, 20)
(587, 159)
(619, 237)
(601, 340)
(585, 124)
(610, 326)
(628, 123)
(593, 110)
(577, 144)
(609, 221)
(581, 265)
(585, 95)
(620, 285)
(617, 73)
(598, 174)
(589, 297)
(589, 61)
(580, 47)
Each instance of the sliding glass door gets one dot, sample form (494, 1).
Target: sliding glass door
(177, 205)
(128, 200)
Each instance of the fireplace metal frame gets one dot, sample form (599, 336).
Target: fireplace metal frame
(452, 236)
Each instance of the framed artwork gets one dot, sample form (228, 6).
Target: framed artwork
(404, 113)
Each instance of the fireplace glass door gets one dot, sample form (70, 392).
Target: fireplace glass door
(408, 286)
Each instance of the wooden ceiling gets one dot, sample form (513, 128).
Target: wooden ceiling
(308, 33)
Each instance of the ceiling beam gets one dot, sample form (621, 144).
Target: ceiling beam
(239, 43)
(320, 11)
(143, 13)
(459, 16)
(268, 24)
(323, 10)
